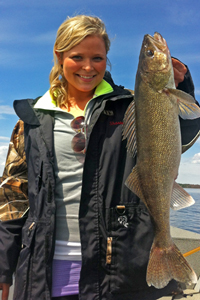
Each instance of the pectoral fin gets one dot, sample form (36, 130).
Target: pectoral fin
(181, 95)
(188, 109)
(129, 129)
(180, 198)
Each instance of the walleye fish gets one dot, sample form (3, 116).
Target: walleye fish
(151, 126)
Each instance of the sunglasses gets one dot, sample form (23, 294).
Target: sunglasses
(78, 142)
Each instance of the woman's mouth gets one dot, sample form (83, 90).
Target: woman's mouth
(86, 78)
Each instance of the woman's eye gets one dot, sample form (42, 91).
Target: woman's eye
(77, 57)
(98, 58)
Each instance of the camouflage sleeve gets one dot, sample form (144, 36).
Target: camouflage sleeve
(13, 188)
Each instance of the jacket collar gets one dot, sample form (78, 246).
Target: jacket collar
(29, 110)
(46, 101)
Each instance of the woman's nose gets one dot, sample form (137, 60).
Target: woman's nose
(88, 66)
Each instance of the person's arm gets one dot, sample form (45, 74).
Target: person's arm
(13, 207)
(190, 129)
(182, 77)
(179, 71)
(13, 187)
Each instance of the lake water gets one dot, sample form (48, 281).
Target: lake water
(188, 218)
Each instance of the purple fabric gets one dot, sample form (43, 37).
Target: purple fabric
(65, 277)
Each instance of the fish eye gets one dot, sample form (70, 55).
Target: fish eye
(150, 53)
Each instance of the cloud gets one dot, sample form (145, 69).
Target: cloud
(196, 158)
(197, 92)
(13, 38)
(45, 38)
(3, 154)
(20, 40)
(190, 58)
(4, 138)
(189, 172)
(181, 41)
(6, 110)
(9, 58)
(180, 17)
(3, 151)
(56, 4)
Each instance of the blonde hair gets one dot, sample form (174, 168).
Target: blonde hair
(71, 32)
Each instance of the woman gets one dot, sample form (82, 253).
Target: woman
(66, 196)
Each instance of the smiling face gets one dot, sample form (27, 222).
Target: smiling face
(84, 65)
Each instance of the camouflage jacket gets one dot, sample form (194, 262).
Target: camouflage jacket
(14, 191)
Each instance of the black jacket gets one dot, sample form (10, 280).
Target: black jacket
(114, 252)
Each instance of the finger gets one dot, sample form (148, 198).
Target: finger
(179, 71)
(178, 77)
(179, 66)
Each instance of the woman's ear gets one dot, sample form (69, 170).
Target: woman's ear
(59, 56)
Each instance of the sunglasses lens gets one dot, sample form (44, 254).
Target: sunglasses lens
(78, 142)
(77, 123)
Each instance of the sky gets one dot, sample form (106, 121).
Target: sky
(27, 35)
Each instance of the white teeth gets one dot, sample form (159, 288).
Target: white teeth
(86, 77)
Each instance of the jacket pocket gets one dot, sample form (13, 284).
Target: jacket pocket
(128, 246)
(22, 277)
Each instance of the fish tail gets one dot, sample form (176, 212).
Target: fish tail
(167, 264)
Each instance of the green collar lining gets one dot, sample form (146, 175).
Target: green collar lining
(103, 88)
(46, 101)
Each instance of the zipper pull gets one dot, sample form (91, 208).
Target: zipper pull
(31, 228)
(109, 251)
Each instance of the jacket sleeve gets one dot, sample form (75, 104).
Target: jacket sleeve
(190, 129)
(13, 203)
(13, 188)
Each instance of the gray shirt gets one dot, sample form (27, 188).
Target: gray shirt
(68, 174)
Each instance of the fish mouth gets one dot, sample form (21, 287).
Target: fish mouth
(157, 40)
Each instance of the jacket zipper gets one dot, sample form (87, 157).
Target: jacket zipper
(109, 251)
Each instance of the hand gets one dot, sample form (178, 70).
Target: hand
(5, 290)
(179, 71)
